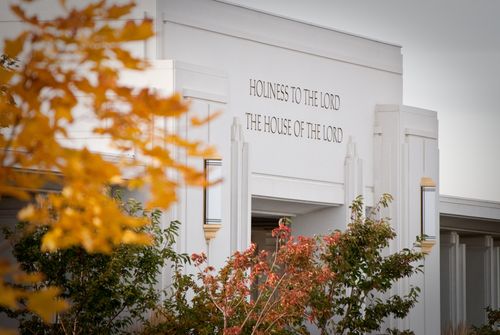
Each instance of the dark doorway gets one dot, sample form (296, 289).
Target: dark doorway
(262, 228)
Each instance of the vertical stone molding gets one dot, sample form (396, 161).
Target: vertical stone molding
(240, 195)
(405, 150)
(353, 172)
(453, 280)
(482, 277)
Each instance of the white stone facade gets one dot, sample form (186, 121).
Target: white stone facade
(308, 155)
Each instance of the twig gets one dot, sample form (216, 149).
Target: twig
(267, 302)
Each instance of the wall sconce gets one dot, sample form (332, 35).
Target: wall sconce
(428, 213)
(212, 198)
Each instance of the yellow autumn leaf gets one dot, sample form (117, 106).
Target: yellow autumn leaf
(198, 151)
(172, 106)
(116, 180)
(135, 183)
(27, 213)
(84, 214)
(9, 296)
(180, 141)
(159, 153)
(117, 11)
(136, 222)
(16, 9)
(91, 8)
(46, 303)
(13, 47)
(130, 237)
(162, 194)
(134, 32)
(128, 60)
(5, 77)
(196, 121)
(27, 278)
(62, 107)
(50, 240)
(195, 178)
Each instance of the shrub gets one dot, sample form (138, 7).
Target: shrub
(490, 328)
(352, 302)
(335, 282)
(107, 292)
(248, 295)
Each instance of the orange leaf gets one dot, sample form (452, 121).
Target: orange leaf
(46, 303)
(127, 59)
(130, 237)
(172, 106)
(4, 78)
(22, 15)
(9, 296)
(91, 8)
(195, 121)
(9, 113)
(105, 33)
(63, 107)
(133, 32)
(27, 213)
(13, 47)
(85, 86)
(117, 11)
(28, 278)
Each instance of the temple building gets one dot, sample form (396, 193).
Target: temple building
(311, 118)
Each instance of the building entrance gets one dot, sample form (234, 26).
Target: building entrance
(262, 227)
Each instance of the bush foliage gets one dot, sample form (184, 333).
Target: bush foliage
(334, 284)
(108, 293)
(58, 75)
(353, 302)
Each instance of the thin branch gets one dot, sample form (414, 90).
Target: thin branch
(267, 303)
(64, 328)
(272, 323)
(115, 316)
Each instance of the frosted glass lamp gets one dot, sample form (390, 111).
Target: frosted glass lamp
(428, 213)
(212, 197)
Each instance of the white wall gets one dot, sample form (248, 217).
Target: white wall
(319, 222)
(361, 71)
(450, 65)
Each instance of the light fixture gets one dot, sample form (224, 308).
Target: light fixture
(212, 197)
(428, 198)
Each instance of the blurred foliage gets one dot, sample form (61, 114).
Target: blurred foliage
(60, 73)
(337, 284)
